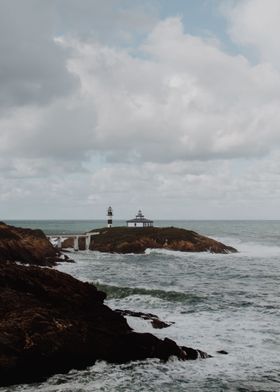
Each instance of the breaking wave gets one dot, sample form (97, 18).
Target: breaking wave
(172, 296)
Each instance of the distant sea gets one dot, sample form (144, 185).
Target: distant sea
(229, 302)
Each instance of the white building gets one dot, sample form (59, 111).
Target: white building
(139, 221)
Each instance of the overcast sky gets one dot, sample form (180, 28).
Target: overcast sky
(169, 106)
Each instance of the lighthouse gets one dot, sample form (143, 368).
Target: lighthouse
(109, 217)
(140, 221)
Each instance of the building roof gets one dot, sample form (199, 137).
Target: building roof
(139, 219)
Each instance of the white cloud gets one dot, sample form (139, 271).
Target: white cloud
(255, 23)
(173, 124)
(185, 99)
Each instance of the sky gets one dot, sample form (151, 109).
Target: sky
(168, 106)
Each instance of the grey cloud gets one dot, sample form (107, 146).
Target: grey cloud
(157, 109)
(91, 123)
(32, 65)
(110, 21)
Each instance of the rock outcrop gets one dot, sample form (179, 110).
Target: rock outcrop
(51, 323)
(137, 240)
(154, 319)
(26, 246)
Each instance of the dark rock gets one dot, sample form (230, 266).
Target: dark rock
(192, 354)
(222, 352)
(159, 324)
(137, 240)
(51, 323)
(69, 243)
(155, 321)
(26, 246)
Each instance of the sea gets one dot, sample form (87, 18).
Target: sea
(216, 302)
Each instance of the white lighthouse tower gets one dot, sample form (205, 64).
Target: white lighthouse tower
(109, 217)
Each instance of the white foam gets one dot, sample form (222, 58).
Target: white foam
(252, 248)
(185, 255)
(249, 331)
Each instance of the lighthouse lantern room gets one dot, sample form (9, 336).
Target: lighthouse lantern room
(110, 217)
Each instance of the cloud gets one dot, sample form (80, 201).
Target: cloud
(110, 21)
(255, 24)
(181, 97)
(33, 66)
(186, 190)
(141, 116)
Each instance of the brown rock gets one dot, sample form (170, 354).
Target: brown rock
(26, 246)
(51, 323)
(69, 243)
(137, 240)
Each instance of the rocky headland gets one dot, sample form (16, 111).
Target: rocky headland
(26, 246)
(51, 323)
(137, 240)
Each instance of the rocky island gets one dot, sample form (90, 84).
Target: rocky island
(137, 240)
(51, 323)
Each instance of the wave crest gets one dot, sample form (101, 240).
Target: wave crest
(123, 292)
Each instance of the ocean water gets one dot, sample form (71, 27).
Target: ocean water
(228, 302)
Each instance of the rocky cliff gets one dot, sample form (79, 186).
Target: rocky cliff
(137, 240)
(26, 246)
(51, 323)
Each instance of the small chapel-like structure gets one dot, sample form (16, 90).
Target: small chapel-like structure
(140, 221)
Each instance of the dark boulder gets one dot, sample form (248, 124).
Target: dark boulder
(51, 323)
